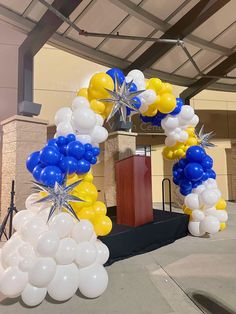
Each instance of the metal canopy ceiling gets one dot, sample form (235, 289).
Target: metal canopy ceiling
(131, 30)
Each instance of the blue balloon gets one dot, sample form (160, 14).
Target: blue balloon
(93, 160)
(37, 172)
(70, 138)
(179, 104)
(63, 149)
(128, 111)
(185, 192)
(88, 155)
(211, 174)
(180, 173)
(207, 162)
(32, 161)
(197, 183)
(61, 140)
(137, 103)
(75, 149)
(175, 167)
(205, 176)
(83, 166)
(88, 147)
(133, 88)
(176, 181)
(116, 73)
(68, 165)
(53, 142)
(96, 151)
(185, 184)
(49, 155)
(193, 171)
(50, 175)
(195, 154)
(182, 163)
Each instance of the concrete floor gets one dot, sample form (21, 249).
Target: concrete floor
(192, 275)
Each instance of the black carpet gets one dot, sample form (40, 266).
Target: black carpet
(125, 241)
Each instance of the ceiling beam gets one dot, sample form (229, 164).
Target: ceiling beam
(185, 26)
(36, 38)
(221, 69)
(163, 26)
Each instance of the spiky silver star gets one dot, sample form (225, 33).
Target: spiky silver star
(204, 138)
(122, 99)
(59, 197)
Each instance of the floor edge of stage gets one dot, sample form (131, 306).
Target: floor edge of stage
(124, 241)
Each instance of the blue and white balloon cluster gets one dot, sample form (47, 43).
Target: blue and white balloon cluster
(190, 172)
(60, 157)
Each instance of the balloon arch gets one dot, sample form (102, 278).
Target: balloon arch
(55, 249)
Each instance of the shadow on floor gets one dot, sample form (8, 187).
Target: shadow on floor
(210, 304)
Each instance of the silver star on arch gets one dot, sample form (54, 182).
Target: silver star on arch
(59, 197)
(204, 138)
(122, 99)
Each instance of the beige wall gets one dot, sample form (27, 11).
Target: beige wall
(59, 74)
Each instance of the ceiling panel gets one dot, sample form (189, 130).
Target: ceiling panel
(16, 5)
(203, 59)
(136, 1)
(174, 58)
(82, 7)
(183, 11)
(38, 11)
(227, 81)
(218, 22)
(131, 27)
(227, 39)
(98, 20)
(161, 8)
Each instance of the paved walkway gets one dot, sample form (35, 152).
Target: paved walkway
(192, 275)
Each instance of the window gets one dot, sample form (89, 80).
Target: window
(143, 150)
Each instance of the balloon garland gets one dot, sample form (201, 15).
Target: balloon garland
(55, 249)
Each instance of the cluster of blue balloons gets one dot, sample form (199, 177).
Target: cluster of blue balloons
(156, 120)
(117, 74)
(191, 171)
(60, 157)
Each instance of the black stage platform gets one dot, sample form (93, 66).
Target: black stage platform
(124, 241)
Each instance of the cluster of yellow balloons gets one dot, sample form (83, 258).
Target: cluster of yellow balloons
(165, 101)
(97, 90)
(179, 149)
(91, 209)
(220, 205)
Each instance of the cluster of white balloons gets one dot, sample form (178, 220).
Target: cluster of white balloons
(57, 258)
(175, 126)
(82, 121)
(205, 217)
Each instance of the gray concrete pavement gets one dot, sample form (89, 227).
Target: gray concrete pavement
(192, 275)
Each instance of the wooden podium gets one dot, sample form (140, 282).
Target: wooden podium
(134, 191)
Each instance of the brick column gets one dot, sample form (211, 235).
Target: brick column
(21, 136)
(233, 169)
(119, 145)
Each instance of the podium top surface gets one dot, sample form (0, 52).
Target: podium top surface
(133, 156)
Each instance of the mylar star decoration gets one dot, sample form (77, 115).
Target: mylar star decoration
(59, 197)
(122, 99)
(204, 138)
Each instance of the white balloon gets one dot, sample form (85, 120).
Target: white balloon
(64, 128)
(63, 114)
(80, 102)
(183, 136)
(26, 249)
(211, 211)
(210, 184)
(194, 228)
(209, 197)
(66, 251)
(27, 263)
(33, 296)
(194, 121)
(171, 122)
(134, 74)
(29, 203)
(99, 134)
(102, 252)
(192, 201)
(198, 215)
(186, 113)
(86, 254)
(65, 282)
(42, 272)
(44, 214)
(13, 259)
(2, 269)
(84, 138)
(48, 243)
(84, 120)
(148, 97)
(210, 224)
(93, 280)
(13, 282)
(33, 228)
(169, 141)
(21, 218)
(82, 231)
(199, 189)
(10, 247)
(62, 224)
(221, 215)
(100, 120)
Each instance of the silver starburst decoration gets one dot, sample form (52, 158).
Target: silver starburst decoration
(122, 99)
(204, 138)
(59, 197)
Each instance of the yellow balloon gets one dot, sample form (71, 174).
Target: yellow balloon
(155, 84)
(187, 211)
(82, 92)
(191, 141)
(88, 177)
(150, 112)
(167, 103)
(222, 226)
(86, 213)
(97, 106)
(102, 225)
(99, 209)
(43, 194)
(221, 204)
(167, 153)
(191, 132)
(72, 179)
(166, 88)
(108, 109)
(87, 192)
(179, 153)
(97, 85)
